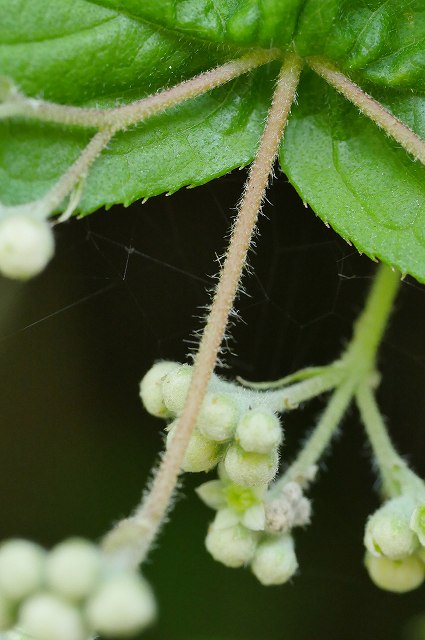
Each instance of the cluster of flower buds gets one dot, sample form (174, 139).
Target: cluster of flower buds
(238, 431)
(26, 245)
(395, 544)
(253, 526)
(234, 425)
(69, 593)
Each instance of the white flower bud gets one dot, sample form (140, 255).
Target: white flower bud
(388, 530)
(6, 613)
(21, 568)
(275, 561)
(26, 246)
(175, 387)
(47, 617)
(234, 546)
(399, 576)
(73, 568)
(212, 494)
(259, 431)
(417, 523)
(250, 469)
(151, 388)
(201, 454)
(123, 605)
(218, 417)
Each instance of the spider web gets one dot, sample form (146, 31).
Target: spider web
(129, 286)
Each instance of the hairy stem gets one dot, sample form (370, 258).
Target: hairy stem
(109, 121)
(396, 476)
(285, 398)
(121, 117)
(291, 397)
(149, 516)
(371, 108)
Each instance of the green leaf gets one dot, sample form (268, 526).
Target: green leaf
(384, 40)
(355, 178)
(107, 52)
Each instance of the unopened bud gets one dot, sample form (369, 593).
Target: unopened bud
(388, 530)
(22, 566)
(234, 546)
(250, 469)
(175, 388)
(201, 454)
(46, 617)
(151, 388)
(26, 246)
(259, 431)
(275, 561)
(398, 576)
(218, 417)
(73, 568)
(123, 605)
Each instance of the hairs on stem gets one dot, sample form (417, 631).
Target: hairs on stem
(394, 127)
(131, 539)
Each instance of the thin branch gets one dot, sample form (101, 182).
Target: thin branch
(396, 476)
(394, 127)
(320, 437)
(124, 116)
(356, 368)
(131, 539)
(109, 121)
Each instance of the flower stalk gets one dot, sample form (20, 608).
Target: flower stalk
(132, 538)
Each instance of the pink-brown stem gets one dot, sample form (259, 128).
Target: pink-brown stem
(132, 538)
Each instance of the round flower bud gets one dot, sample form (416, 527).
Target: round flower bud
(201, 454)
(388, 530)
(123, 605)
(259, 431)
(398, 576)
(250, 469)
(26, 246)
(218, 417)
(21, 568)
(73, 568)
(417, 523)
(6, 613)
(151, 388)
(47, 617)
(175, 388)
(233, 546)
(275, 561)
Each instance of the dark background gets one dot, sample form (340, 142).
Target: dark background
(77, 447)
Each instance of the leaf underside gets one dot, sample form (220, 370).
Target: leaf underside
(109, 52)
